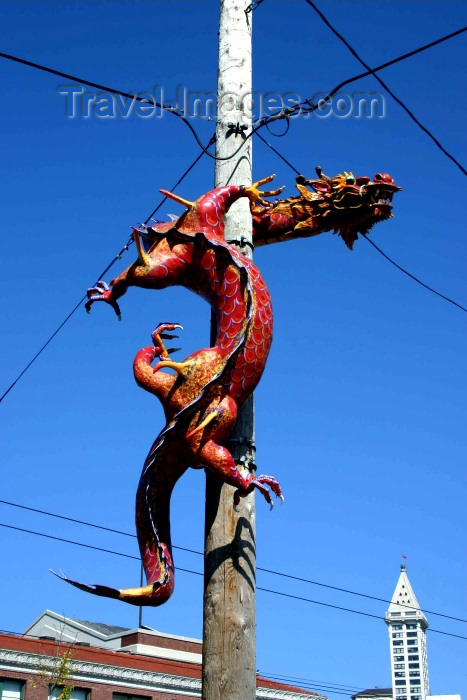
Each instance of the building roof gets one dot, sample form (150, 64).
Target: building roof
(131, 655)
(373, 692)
(135, 672)
(404, 600)
(101, 627)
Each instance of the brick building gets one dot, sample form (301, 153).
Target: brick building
(111, 663)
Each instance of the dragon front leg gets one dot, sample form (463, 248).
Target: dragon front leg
(102, 292)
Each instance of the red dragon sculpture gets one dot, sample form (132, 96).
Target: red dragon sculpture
(201, 400)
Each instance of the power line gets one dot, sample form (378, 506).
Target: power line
(413, 276)
(361, 595)
(59, 328)
(103, 273)
(284, 114)
(86, 546)
(84, 522)
(168, 108)
(308, 107)
(198, 573)
(384, 85)
(259, 568)
(344, 609)
(393, 61)
(310, 684)
(278, 154)
(82, 81)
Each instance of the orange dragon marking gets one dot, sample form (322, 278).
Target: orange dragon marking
(202, 399)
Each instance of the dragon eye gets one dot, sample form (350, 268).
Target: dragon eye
(350, 180)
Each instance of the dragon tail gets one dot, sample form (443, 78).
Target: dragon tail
(153, 538)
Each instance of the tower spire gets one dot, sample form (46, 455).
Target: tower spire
(407, 626)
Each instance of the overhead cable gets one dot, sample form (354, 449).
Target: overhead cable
(198, 573)
(259, 568)
(103, 273)
(399, 267)
(385, 86)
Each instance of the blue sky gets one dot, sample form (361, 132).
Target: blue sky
(361, 411)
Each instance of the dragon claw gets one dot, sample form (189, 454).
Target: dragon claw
(261, 482)
(160, 334)
(101, 292)
(257, 196)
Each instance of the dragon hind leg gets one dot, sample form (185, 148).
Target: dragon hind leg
(219, 460)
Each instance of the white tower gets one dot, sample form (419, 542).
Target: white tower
(407, 638)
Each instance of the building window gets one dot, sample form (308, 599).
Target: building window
(121, 696)
(398, 658)
(413, 650)
(413, 658)
(76, 694)
(400, 674)
(396, 614)
(11, 690)
(414, 665)
(400, 682)
(401, 691)
(415, 697)
(397, 635)
(397, 644)
(414, 673)
(411, 625)
(415, 681)
(399, 665)
(411, 634)
(396, 627)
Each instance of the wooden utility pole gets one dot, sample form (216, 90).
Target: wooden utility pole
(229, 623)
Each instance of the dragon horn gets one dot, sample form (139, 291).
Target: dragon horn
(321, 175)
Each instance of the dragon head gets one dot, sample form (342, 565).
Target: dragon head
(346, 204)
